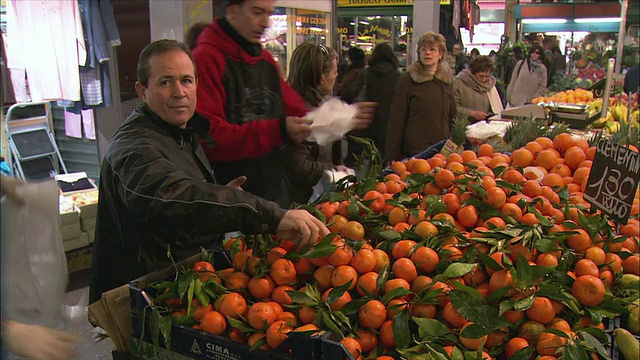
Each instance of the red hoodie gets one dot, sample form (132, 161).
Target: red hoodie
(244, 97)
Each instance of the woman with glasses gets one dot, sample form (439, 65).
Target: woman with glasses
(423, 106)
(376, 84)
(474, 90)
(529, 78)
(312, 74)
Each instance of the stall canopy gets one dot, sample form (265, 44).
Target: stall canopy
(591, 17)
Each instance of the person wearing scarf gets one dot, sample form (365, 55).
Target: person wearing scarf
(474, 90)
(423, 106)
(529, 78)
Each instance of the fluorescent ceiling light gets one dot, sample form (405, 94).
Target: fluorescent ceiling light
(598, 20)
(364, 22)
(544, 21)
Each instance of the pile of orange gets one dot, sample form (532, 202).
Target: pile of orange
(577, 96)
(446, 212)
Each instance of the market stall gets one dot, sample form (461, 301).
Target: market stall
(521, 240)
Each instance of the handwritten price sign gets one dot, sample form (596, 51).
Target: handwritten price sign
(613, 180)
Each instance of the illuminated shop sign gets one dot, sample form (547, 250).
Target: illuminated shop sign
(354, 3)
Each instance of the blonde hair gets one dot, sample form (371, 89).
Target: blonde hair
(431, 38)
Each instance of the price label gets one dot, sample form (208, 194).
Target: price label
(613, 180)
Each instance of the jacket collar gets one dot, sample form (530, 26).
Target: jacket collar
(419, 73)
(196, 129)
(222, 36)
(471, 82)
(250, 48)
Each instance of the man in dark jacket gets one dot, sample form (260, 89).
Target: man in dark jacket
(252, 110)
(158, 193)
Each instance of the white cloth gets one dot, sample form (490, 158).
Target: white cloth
(50, 42)
(495, 101)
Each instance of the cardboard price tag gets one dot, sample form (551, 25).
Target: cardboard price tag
(451, 147)
(613, 180)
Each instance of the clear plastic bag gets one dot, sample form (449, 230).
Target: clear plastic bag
(34, 266)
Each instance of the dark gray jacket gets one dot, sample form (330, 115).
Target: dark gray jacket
(157, 191)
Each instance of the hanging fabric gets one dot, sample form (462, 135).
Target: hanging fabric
(75, 124)
(48, 36)
(101, 32)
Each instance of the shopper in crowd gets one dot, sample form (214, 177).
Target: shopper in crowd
(631, 79)
(312, 74)
(559, 60)
(158, 194)
(529, 78)
(356, 63)
(376, 83)
(475, 92)
(474, 53)
(191, 37)
(515, 55)
(461, 59)
(423, 106)
(31, 341)
(252, 110)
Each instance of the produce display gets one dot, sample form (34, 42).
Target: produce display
(617, 112)
(474, 255)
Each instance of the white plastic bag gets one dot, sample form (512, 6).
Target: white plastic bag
(331, 121)
(328, 177)
(34, 265)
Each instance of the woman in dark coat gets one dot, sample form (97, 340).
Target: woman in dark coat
(356, 61)
(376, 84)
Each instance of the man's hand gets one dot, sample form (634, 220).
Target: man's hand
(38, 342)
(301, 227)
(478, 115)
(238, 182)
(298, 128)
(364, 117)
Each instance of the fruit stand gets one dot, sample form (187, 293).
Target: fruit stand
(522, 246)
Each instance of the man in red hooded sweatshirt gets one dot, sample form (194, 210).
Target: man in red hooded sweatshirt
(252, 110)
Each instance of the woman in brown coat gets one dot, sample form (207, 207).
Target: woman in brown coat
(423, 106)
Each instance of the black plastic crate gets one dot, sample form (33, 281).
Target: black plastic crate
(201, 345)
(611, 323)
(332, 349)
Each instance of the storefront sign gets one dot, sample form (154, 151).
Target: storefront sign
(357, 3)
(312, 20)
(613, 180)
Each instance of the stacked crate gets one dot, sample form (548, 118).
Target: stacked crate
(70, 229)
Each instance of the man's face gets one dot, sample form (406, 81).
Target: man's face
(171, 92)
(457, 50)
(251, 18)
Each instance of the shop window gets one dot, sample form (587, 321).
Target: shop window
(367, 31)
(290, 28)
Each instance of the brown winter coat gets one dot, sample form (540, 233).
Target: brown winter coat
(470, 94)
(421, 111)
